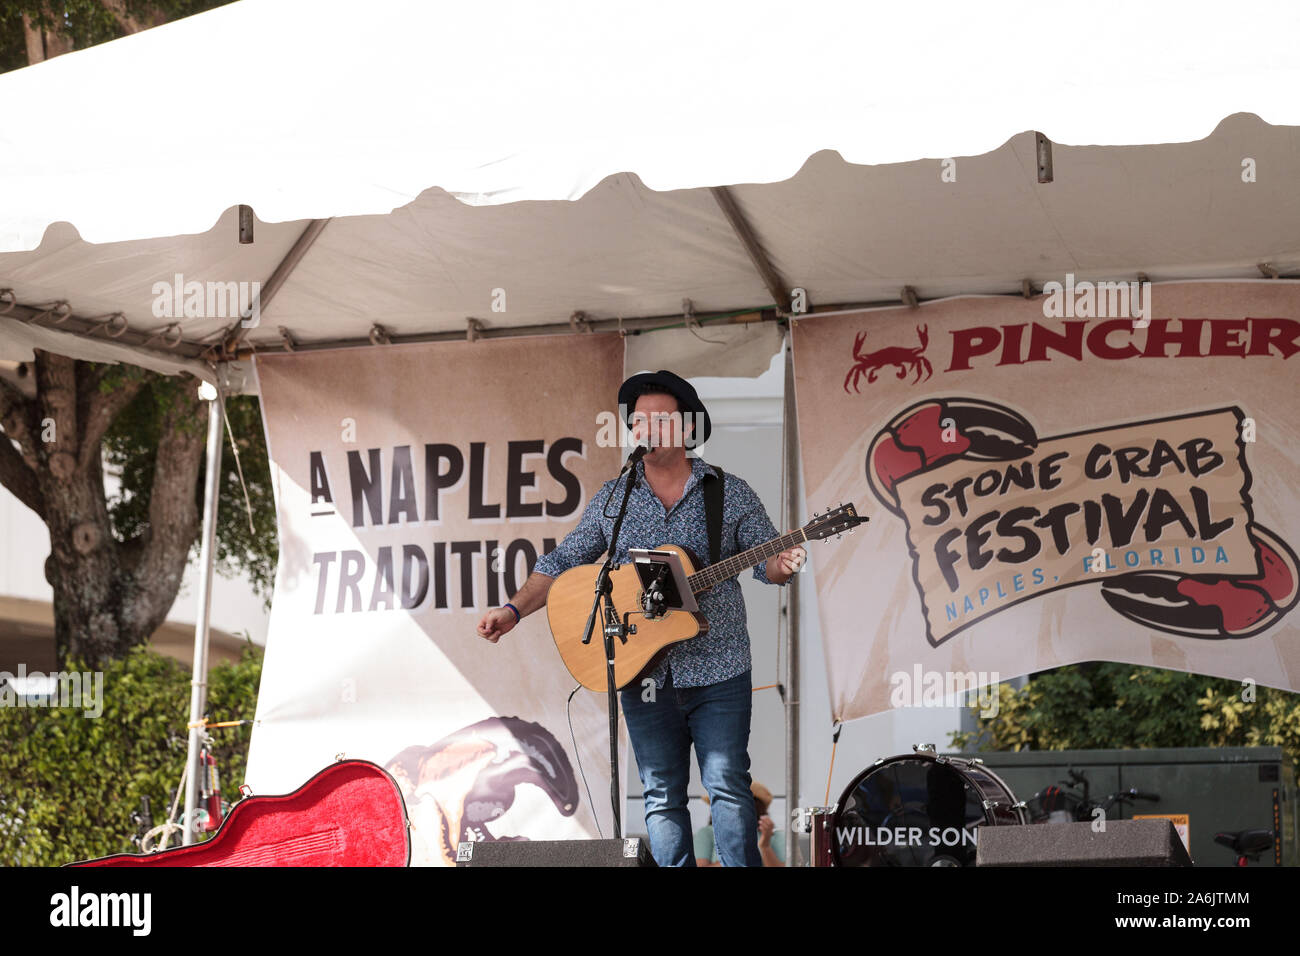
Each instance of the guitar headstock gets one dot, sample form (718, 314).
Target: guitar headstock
(844, 518)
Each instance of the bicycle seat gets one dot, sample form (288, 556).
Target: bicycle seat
(1246, 842)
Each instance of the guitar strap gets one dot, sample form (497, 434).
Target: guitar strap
(713, 513)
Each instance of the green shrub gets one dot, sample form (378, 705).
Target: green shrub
(69, 783)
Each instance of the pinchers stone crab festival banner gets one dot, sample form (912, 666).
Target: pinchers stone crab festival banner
(1078, 476)
(415, 488)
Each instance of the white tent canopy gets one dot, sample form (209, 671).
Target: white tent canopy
(320, 108)
(417, 130)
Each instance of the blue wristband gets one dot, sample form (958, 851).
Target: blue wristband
(515, 609)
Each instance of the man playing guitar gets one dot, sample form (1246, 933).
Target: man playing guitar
(702, 686)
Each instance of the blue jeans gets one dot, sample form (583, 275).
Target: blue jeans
(716, 719)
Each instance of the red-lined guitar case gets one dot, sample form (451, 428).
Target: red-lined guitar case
(349, 814)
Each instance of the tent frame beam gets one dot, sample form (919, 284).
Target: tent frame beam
(777, 287)
(630, 326)
(279, 276)
(40, 318)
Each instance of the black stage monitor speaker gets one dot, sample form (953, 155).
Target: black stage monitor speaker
(1122, 843)
(628, 852)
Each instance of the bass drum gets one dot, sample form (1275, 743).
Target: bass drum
(920, 810)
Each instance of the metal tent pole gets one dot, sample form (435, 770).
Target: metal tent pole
(207, 552)
(794, 855)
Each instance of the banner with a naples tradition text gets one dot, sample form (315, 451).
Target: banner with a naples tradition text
(416, 486)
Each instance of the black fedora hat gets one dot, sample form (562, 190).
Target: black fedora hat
(676, 386)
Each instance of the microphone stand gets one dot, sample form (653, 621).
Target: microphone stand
(603, 603)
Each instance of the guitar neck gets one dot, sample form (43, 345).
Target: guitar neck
(714, 573)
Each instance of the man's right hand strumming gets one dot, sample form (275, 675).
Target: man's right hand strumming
(496, 622)
(531, 596)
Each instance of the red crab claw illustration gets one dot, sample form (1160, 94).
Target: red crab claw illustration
(931, 433)
(1211, 606)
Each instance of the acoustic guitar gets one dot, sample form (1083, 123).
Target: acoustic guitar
(568, 604)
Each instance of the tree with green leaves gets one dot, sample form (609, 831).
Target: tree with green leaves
(116, 564)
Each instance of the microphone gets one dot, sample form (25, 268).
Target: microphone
(653, 598)
(637, 454)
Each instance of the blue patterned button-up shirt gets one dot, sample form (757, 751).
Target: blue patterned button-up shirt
(723, 651)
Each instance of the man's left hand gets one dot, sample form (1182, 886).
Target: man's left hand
(783, 567)
(790, 561)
